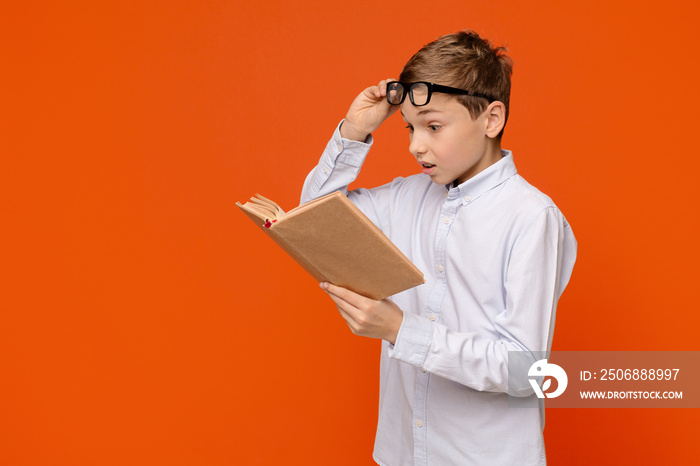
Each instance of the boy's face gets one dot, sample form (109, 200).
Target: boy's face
(445, 140)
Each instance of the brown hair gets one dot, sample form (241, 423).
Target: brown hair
(465, 61)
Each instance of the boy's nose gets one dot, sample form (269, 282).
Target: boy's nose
(417, 146)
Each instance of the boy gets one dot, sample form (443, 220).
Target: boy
(495, 251)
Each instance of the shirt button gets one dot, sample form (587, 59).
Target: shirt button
(340, 147)
(467, 199)
(444, 195)
(423, 370)
(432, 316)
(325, 171)
(446, 220)
(440, 268)
(419, 423)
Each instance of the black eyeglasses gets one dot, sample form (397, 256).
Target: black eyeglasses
(421, 91)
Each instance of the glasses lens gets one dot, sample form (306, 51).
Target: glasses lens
(394, 93)
(419, 94)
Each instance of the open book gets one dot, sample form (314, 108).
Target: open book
(336, 243)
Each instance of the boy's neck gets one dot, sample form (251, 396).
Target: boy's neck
(493, 154)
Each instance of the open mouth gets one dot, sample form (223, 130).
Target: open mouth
(427, 167)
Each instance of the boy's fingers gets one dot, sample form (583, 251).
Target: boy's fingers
(379, 90)
(373, 93)
(383, 84)
(344, 294)
(346, 309)
(342, 305)
(340, 292)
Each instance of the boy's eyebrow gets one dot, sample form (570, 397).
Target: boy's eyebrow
(429, 110)
(424, 111)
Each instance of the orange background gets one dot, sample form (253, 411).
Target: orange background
(145, 320)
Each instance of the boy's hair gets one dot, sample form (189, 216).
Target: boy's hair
(465, 61)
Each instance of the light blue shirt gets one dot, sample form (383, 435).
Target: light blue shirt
(496, 254)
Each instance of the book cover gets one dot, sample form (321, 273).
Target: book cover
(335, 242)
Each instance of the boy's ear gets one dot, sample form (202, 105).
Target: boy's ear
(495, 118)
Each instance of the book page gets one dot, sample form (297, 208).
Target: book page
(311, 203)
(265, 207)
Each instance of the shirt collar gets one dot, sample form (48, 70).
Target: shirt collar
(485, 180)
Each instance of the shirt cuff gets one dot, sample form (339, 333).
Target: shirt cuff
(349, 151)
(413, 341)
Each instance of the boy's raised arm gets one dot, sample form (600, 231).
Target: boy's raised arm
(341, 161)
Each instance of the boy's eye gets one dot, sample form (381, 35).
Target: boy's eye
(433, 128)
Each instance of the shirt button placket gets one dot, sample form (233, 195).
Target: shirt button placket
(435, 299)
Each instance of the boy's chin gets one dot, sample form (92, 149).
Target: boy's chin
(442, 181)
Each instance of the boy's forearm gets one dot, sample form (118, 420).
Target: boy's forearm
(338, 167)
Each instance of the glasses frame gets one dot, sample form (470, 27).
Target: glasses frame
(432, 87)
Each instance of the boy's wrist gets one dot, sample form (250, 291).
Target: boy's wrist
(349, 131)
(393, 331)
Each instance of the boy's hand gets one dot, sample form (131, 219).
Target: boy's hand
(367, 112)
(366, 317)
